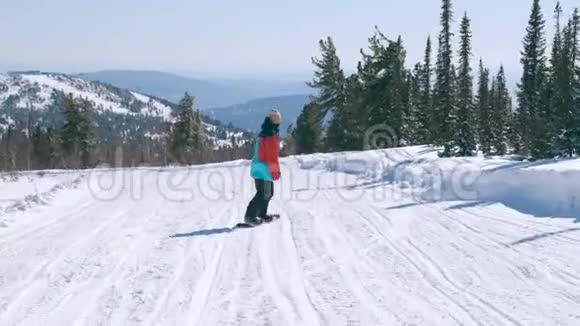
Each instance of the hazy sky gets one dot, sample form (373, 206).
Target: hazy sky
(228, 38)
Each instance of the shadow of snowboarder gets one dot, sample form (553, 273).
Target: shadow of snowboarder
(204, 233)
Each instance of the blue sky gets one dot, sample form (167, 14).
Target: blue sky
(231, 38)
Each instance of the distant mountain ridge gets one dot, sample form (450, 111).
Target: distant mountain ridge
(208, 93)
(251, 114)
(119, 114)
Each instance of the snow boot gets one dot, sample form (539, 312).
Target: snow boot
(253, 221)
(269, 218)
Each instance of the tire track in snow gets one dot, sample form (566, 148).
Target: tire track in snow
(204, 286)
(117, 273)
(47, 263)
(526, 227)
(328, 294)
(292, 251)
(155, 270)
(460, 289)
(348, 247)
(428, 278)
(34, 280)
(91, 264)
(289, 299)
(21, 247)
(250, 288)
(328, 240)
(489, 255)
(519, 253)
(45, 227)
(365, 217)
(569, 279)
(508, 263)
(187, 254)
(387, 267)
(285, 305)
(303, 262)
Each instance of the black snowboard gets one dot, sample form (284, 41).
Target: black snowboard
(249, 226)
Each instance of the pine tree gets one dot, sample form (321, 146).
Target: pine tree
(415, 134)
(575, 58)
(308, 132)
(556, 88)
(425, 108)
(484, 110)
(347, 126)
(500, 113)
(77, 134)
(563, 79)
(384, 81)
(186, 137)
(40, 148)
(465, 134)
(395, 113)
(8, 148)
(70, 133)
(53, 143)
(329, 78)
(513, 136)
(443, 91)
(375, 74)
(336, 140)
(199, 132)
(532, 87)
(87, 136)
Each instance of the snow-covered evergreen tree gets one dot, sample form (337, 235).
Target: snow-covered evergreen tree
(533, 86)
(425, 102)
(464, 138)
(564, 81)
(484, 111)
(308, 132)
(329, 79)
(415, 132)
(186, 140)
(443, 96)
(501, 107)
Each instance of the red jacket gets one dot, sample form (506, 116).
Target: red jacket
(268, 153)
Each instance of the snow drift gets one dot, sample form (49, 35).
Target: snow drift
(547, 188)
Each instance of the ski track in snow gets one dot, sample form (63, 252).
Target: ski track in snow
(327, 261)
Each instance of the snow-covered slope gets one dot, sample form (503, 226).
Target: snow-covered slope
(117, 112)
(390, 237)
(35, 91)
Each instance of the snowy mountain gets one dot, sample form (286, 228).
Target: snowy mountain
(35, 91)
(117, 112)
(386, 237)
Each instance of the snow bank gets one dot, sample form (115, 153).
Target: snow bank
(21, 191)
(546, 188)
(538, 191)
(369, 163)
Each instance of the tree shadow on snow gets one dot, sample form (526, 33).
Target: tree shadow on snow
(528, 207)
(403, 206)
(528, 164)
(543, 235)
(204, 233)
(470, 204)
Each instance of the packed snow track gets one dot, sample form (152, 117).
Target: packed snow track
(372, 238)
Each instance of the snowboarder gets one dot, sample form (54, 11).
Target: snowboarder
(265, 169)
